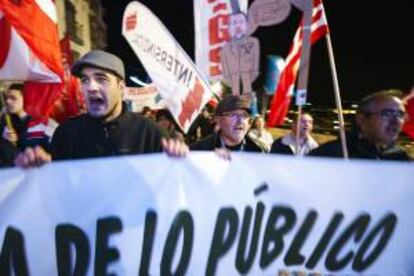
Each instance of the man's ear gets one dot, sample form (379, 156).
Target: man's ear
(122, 86)
(360, 119)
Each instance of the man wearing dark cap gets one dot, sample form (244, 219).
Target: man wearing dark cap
(107, 129)
(233, 120)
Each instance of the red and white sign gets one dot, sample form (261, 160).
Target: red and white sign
(29, 41)
(211, 33)
(143, 96)
(172, 71)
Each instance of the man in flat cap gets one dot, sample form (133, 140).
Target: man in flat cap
(108, 128)
(233, 120)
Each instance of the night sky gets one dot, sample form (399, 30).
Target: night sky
(373, 45)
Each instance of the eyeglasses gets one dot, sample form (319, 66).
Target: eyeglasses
(388, 114)
(236, 116)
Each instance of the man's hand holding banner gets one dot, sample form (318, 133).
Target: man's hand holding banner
(255, 215)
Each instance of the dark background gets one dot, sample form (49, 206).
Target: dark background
(373, 43)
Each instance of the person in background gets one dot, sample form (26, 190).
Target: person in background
(166, 123)
(232, 117)
(202, 126)
(108, 129)
(378, 122)
(14, 125)
(147, 112)
(259, 134)
(287, 144)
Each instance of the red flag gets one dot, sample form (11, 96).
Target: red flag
(213, 102)
(31, 39)
(38, 102)
(39, 98)
(284, 90)
(32, 54)
(408, 127)
(70, 102)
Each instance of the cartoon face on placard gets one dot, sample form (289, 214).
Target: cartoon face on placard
(238, 25)
(267, 13)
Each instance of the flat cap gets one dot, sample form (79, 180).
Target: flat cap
(231, 103)
(102, 60)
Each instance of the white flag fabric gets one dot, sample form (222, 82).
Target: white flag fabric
(211, 33)
(29, 42)
(202, 215)
(176, 77)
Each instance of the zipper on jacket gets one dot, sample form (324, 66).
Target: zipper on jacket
(106, 133)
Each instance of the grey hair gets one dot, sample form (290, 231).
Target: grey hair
(366, 103)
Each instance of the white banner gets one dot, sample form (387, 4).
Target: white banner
(211, 33)
(175, 75)
(256, 215)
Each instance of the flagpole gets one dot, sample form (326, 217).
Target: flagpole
(337, 95)
(298, 126)
(301, 90)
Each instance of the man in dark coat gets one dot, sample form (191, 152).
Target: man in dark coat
(233, 120)
(379, 120)
(109, 128)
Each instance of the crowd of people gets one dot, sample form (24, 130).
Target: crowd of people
(110, 129)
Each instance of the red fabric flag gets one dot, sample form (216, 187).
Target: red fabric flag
(284, 90)
(39, 98)
(408, 127)
(70, 102)
(213, 102)
(5, 31)
(32, 54)
(31, 24)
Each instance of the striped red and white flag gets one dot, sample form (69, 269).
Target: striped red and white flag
(408, 127)
(31, 53)
(284, 90)
(30, 45)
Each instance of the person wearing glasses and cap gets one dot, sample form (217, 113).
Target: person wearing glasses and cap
(379, 119)
(108, 129)
(232, 117)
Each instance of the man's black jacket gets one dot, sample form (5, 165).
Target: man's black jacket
(86, 137)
